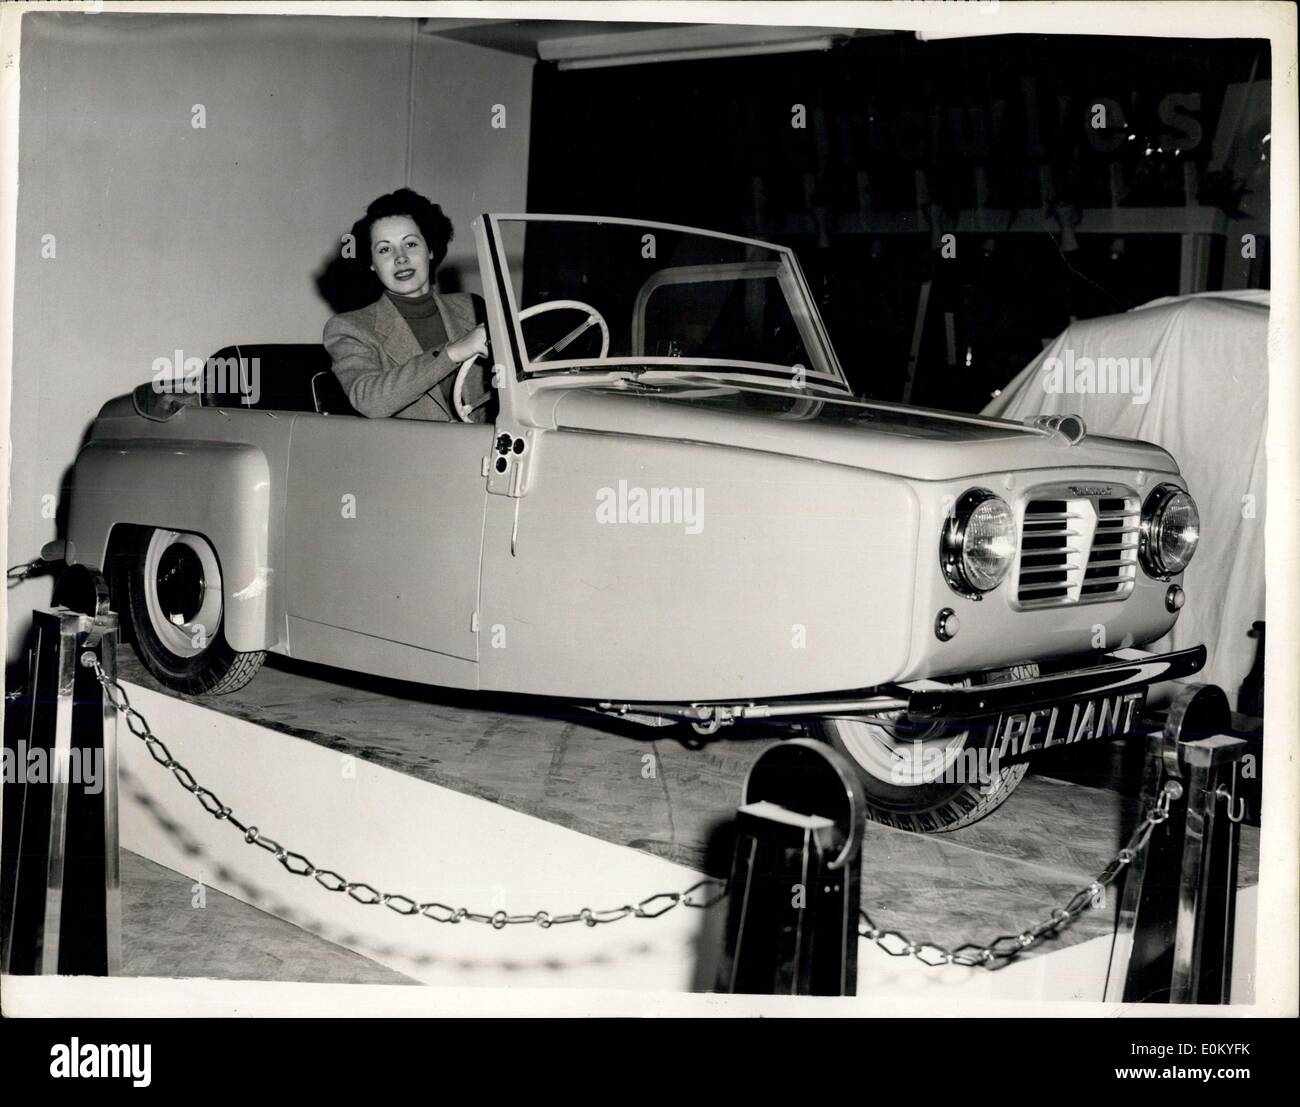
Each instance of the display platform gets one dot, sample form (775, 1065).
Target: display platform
(498, 805)
(167, 934)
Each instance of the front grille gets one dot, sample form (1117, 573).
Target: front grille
(1078, 548)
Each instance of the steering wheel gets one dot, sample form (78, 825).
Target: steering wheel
(465, 411)
(593, 318)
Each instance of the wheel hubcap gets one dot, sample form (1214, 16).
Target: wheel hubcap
(179, 581)
(182, 586)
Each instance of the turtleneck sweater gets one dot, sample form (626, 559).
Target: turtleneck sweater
(422, 316)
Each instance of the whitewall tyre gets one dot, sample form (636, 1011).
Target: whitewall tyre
(174, 604)
(931, 784)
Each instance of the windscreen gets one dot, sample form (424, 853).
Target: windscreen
(602, 295)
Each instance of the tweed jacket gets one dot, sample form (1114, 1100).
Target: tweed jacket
(381, 366)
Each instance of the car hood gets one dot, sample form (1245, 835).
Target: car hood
(910, 442)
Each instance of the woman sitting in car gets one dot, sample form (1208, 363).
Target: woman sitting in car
(399, 355)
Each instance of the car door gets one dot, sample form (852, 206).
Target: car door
(384, 531)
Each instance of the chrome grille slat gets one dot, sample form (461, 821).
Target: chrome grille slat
(1077, 548)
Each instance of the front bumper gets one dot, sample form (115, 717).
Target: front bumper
(1124, 670)
(1127, 670)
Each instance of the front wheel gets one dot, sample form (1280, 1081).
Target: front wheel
(930, 785)
(928, 780)
(175, 605)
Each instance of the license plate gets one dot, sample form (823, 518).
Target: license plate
(1064, 724)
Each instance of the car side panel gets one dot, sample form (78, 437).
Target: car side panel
(384, 526)
(368, 653)
(798, 579)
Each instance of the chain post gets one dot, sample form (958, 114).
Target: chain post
(792, 927)
(60, 892)
(1177, 918)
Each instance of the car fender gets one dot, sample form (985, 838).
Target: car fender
(220, 490)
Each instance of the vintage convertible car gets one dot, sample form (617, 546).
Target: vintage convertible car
(673, 509)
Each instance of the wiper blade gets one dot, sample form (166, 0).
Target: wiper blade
(567, 340)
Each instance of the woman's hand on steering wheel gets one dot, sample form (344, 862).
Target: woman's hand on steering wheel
(473, 344)
(467, 350)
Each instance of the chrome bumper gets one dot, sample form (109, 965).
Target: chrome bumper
(934, 701)
(1124, 670)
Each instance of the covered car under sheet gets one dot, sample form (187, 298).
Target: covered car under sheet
(1199, 388)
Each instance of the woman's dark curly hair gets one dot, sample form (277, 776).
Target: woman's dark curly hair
(434, 226)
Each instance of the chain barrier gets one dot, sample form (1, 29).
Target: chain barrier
(16, 574)
(703, 894)
(1001, 951)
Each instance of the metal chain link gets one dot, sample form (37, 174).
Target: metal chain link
(16, 574)
(702, 894)
(995, 955)
(1005, 949)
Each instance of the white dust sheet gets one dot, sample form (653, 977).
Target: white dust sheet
(1208, 406)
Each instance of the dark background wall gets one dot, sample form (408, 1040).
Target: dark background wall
(906, 140)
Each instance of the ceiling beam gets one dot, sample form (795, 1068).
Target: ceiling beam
(683, 43)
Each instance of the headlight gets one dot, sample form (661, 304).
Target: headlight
(1171, 527)
(978, 543)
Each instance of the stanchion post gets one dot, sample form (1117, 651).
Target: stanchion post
(795, 886)
(1207, 892)
(60, 903)
(1177, 915)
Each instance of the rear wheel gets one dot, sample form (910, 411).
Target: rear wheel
(175, 605)
(929, 780)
